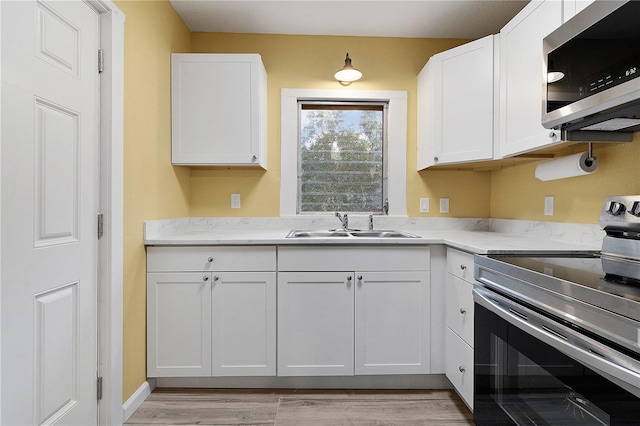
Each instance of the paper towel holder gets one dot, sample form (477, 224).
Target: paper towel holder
(568, 166)
(590, 156)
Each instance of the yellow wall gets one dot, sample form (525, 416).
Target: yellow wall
(309, 62)
(517, 194)
(153, 189)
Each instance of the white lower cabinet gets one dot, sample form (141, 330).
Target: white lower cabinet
(211, 322)
(459, 341)
(178, 324)
(315, 323)
(459, 366)
(392, 322)
(363, 321)
(244, 324)
(211, 311)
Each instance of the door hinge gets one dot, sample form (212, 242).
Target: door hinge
(100, 225)
(99, 388)
(100, 60)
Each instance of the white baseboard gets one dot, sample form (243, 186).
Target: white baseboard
(136, 400)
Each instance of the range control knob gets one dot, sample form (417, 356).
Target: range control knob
(635, 208)
(616, 208)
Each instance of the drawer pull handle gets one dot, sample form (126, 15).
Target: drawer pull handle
(210, 259)
(463, 267)
(205, 278)
(461, 369)
(463, 311)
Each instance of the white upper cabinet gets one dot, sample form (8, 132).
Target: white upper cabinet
(455, 105)
(521, 78)
(219, 109)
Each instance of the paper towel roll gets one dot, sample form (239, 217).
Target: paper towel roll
(564, 167)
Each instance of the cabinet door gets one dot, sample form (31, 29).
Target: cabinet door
(463, 117)
(315, 323)
(521, 78)
(459, 308)
(392, 322)
(178, 324)
(244, 323)
(218, 109)
(459, 366)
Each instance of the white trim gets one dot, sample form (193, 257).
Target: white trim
(0, 207)
(136, 400)
(383, 381)
(110, 246)
(397, 142)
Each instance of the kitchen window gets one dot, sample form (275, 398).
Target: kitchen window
(341, 157)
(394, 128)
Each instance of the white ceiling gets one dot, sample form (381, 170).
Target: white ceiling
(468, 19)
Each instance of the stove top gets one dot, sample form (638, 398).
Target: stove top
(582, 277)
(574, 288)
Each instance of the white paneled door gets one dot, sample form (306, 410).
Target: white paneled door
(50, 199)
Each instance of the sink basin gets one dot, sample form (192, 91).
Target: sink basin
(317, 234)
(383, 234)
(349, 234)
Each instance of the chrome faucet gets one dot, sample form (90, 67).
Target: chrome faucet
(344, 220)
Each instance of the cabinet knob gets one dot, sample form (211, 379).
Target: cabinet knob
(552, 134)
(349, 278)
(205, 278)
(463, 311)
(216, 278)
(461, 369)
(360, 277)
(436, 159)
(463, 267)
(254, 158)
(210, 259)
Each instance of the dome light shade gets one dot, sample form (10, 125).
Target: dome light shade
(347, 74)
(554, 76)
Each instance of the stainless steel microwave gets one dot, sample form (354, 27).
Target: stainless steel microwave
(592, 68)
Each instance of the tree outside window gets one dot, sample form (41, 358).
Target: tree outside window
(341, 158)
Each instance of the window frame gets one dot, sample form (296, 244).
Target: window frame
(395, 158)
(384, 108)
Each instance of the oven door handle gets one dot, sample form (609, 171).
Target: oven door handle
(617, 367)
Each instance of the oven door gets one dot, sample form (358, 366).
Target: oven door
(531, 370)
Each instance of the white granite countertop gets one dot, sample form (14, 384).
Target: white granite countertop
(473, 235)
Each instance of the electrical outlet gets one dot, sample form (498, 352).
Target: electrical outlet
(548, 205)
(444, 205)
(424, 205)
(235, 201)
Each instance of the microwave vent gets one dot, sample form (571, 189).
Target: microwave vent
(614, 124)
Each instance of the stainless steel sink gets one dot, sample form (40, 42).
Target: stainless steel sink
(349, 234)
(383, 234)
(317, 234)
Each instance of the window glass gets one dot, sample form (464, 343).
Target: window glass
(341, 157)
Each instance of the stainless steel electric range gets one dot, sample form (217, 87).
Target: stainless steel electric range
(557, 335)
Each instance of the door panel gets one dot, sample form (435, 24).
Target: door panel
(315, 323)
(49, 177)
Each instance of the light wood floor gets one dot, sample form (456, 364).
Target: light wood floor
(302, 408)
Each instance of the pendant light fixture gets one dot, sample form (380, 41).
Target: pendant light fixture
(347, 74)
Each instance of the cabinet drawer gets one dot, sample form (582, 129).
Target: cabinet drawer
(459, 308)
(209, 258)
(460, 264)
(334, 258)
(459, 366)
